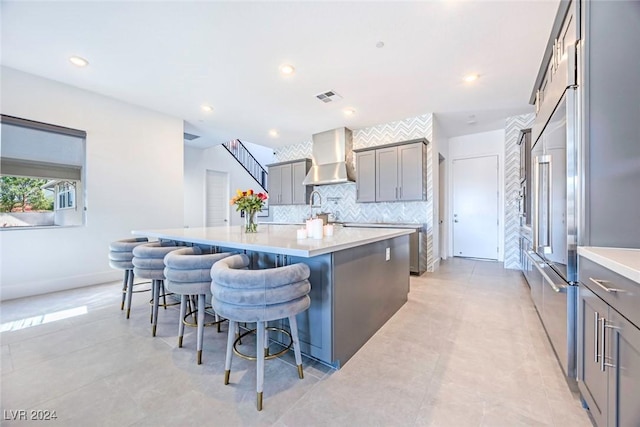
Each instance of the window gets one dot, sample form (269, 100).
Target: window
(66, 195)
(42, 169)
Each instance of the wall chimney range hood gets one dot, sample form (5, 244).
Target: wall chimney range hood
(332, 155)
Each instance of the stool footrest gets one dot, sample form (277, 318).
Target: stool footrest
(194, 324)
(267, 356)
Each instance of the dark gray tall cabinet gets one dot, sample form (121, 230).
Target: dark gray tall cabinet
(611, 64)
(608, 324)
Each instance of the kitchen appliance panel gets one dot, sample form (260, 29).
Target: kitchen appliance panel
(558, 314)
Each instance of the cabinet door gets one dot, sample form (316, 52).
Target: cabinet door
(624, 372)
(275, 185)
(286, 179)
(592, 312)
(299, 172)
(387, 174)
(410, 172)
(314, 324)
(366, 176)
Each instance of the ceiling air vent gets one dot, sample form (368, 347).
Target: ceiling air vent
(190, 137)
(328, 96)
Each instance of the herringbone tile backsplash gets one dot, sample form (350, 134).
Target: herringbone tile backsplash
(512, 187)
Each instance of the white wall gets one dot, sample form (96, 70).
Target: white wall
(196, 163)
(134, 180)
(440, 147)
(476, 145)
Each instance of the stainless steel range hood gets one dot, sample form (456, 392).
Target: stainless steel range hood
(332, 158)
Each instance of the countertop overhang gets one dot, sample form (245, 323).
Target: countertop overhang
(279, 239)
(624, 261)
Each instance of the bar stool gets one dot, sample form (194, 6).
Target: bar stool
(120, 258)
(259, 296)
(148, 263)
(188, 273)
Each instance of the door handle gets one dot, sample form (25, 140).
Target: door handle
(455, 220)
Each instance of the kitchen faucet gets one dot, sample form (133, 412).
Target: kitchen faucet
(311, 205)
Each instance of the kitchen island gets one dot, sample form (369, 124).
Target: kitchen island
(359, 278)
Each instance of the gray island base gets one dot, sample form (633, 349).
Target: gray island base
(359, 278)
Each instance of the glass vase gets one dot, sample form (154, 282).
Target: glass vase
(250, 222)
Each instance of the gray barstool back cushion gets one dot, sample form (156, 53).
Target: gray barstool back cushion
(188, 270)
(121, 252)
(148, 259)
(258, 295)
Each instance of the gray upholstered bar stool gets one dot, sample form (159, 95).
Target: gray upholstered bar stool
(148, 263)
(188, 273)
(120, 258)
(259, 296)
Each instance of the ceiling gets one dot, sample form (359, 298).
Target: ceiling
(175, 56)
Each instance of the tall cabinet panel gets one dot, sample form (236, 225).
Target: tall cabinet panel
(410, 172)
(301, 192)
(366, 176)
(387, 174)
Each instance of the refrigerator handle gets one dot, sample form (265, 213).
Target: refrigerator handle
(543, 180)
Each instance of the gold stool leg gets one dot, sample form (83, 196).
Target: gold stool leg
(227, 374)
(259, 402)
(300, 374)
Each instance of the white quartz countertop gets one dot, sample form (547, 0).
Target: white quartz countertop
(278, 239)
(623, 261)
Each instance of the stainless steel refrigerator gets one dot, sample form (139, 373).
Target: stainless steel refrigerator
(585, 156)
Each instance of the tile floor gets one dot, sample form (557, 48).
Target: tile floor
(466, 350)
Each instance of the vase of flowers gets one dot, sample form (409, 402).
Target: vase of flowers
(251, 203)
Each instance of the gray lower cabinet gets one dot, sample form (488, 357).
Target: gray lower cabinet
(285, 183)
(366, 176)
(608, 352)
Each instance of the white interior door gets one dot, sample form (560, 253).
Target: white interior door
(475, 207)
(217, 195)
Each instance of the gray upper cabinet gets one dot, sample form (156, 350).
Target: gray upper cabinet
(285, 183)
(366, 176)
(387, 174)
(392, 173)
(300, 192)
(410, 172)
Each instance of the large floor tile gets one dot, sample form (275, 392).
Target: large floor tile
(467, 349)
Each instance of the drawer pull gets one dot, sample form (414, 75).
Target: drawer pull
(601, 285)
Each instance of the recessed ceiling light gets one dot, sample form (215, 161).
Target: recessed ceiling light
(470, 78)
(78, 61)
(380, 45)
(207, 108)
(287, 69)
(349, 111)
(273, 133)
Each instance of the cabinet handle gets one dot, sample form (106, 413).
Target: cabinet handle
(603, 324)
(596, 337)
(600, 284)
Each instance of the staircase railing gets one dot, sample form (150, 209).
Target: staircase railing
(237, 149)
